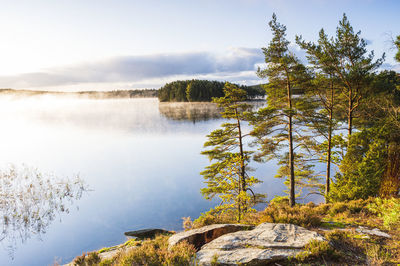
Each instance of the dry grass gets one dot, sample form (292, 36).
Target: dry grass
(154, 252)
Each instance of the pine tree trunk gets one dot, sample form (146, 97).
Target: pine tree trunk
(239, 211)
(242, 165)
(328, 162)
(292, 200)
(350, 114)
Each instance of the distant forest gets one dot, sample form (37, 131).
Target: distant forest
(200, 91)
(89, 94)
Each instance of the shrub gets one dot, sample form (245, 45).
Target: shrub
(377, 254)
(80, 260)
(336, 208)
(92, 258)
(88, 259)
(301, 215)
(317, 250)
(187, 223)
(156, 252)
(213, 217)
(388, 210)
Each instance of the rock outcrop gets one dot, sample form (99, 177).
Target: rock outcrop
(266, 243)
(146, 233)
(199, 237)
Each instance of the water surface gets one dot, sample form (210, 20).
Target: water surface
(140, 159)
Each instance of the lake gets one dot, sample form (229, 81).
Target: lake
(140, 160)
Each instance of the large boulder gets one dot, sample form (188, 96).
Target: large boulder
(199, 237)
(266, 243)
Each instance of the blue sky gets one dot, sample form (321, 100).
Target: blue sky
(121, 44)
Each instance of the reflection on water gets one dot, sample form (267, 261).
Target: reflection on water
(196, 111)
(142, 165)
(31, 200)
(190, 111)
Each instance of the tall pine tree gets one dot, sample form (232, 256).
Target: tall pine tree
(323, 119)
(280, 119)
(347, 58)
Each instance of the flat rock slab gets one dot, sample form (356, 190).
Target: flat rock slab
(362, 230)
(375, 232)
(244, 256)
(266, 243)
(199, 237)
(146, 233)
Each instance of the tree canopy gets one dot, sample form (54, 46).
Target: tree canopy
(200, 91)
(310, 108)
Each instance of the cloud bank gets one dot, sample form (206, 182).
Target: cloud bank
(236, 64)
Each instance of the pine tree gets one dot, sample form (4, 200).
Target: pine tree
(346, 57)
(397, 43)
(228, 176)
(322, 120)
(275, 125)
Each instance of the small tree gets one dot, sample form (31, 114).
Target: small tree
(228, 177)
(228, 185)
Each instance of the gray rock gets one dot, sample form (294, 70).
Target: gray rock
(146, 233)
(375, 231)
(244, 256)
(199, 237)
(266, 243)
(366, 232)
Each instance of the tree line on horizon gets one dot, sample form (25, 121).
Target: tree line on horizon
(140, 93)
(347, 118)
(200, 91)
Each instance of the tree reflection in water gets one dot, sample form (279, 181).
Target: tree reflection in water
(31, 200)
(194, 112)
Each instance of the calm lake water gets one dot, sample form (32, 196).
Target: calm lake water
(140, 159)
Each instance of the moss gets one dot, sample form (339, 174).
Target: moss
(107, 249)
(214, 260)
(332, 224)
(130, 243)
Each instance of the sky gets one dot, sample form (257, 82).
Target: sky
(72, 45)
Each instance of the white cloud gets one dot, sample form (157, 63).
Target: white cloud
(151, 70)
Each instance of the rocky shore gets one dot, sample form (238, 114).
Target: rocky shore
(237, 244)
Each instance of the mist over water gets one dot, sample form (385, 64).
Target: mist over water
(140, 159)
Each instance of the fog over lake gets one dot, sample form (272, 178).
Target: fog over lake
(140, 160)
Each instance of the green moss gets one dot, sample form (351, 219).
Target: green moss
(102, 250)
(129, 243)
(332, 224)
